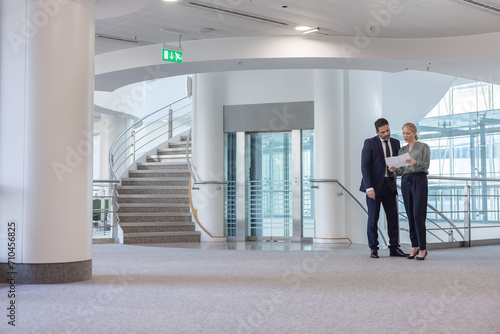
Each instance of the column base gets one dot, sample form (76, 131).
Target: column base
(206, 237)
(332, 241)
(46, 273)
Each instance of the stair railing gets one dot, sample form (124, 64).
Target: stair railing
(349, 193)
(147, 132)
(104, 209)
(472, 204)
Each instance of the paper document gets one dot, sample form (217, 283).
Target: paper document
(398, 161)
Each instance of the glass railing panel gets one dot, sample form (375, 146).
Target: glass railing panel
(269, 208)
(457, 203)
(104, 207)
(230, 210)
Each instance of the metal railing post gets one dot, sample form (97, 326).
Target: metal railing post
(467, 221)
(132, 145)
(113, 208)
(103, 216)
(170, 122)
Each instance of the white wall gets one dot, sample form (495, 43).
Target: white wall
(268, 86)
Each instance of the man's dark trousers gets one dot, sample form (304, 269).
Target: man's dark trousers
(387, 198)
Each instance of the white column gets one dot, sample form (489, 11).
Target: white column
(47, 67)
(330, 226)
(208, 152)
(110, 128)
(364, 106)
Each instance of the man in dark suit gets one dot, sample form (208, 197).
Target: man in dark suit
(380, 187)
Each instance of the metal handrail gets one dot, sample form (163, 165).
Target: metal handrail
(188, 156)
(452, 225)
(112, 204)
(459, 178)
(124, 135)
(350, 194)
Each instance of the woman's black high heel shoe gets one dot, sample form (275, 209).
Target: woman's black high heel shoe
(422, 258)
(411, 257)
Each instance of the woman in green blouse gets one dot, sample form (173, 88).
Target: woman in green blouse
(414, 188)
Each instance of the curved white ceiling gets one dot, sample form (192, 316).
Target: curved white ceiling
(106, 9)
(472, 57)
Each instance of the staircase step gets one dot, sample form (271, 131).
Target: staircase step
(178, 145)
(160, 237)
(166, 158)
(156, 181)
(142, 227)
(153, 190)
(159, 173)
(173, 151)
(154, 207)
(162, 165)
(153, 198)
(129, 217)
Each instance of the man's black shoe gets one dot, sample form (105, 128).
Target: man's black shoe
(374, 254)
(398, 252)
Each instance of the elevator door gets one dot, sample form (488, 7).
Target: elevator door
(273, 182)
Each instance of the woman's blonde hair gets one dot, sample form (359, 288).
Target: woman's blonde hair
(412, 127)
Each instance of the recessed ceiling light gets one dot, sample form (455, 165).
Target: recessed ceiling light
(302, 28)
(311, 31)
(170, 0)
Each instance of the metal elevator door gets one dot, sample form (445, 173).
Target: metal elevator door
(273, 192)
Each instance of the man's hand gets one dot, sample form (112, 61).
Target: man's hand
(371, 194)
(392, 169)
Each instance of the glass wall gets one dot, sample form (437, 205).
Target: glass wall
(463, 132)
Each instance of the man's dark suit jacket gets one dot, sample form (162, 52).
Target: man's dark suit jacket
(373, 163)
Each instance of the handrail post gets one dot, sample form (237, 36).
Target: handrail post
(170, 122)
(113, 208)
(103, 216)
(111, 164)
(132, 144)
(467, 222)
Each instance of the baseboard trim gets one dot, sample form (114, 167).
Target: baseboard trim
(46, 273)
(332, 241)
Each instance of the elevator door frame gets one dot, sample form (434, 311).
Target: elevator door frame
(242, 224)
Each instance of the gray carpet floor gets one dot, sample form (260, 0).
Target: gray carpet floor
(143, 289)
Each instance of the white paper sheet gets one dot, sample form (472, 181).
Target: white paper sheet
(398, 161)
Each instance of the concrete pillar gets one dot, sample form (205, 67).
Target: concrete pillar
(208, 153)
(330, 225)
(47, 73)
(364, 105)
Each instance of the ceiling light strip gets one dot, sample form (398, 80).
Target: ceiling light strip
(228, 11)
(118, 38)
(476, 3)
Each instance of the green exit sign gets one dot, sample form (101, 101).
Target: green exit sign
(172, 53)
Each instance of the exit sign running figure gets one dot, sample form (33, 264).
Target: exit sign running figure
(172, 53)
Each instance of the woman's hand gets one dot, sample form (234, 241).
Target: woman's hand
(392, 169)
(411, 161)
